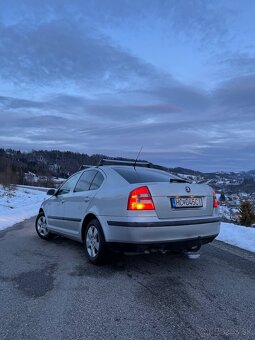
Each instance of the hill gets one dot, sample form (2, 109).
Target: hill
(17, 166)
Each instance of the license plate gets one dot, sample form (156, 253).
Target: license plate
(186, 202)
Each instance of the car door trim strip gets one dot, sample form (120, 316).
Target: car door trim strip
(64, 218)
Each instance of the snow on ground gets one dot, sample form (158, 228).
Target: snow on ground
(18, 204)
(242, 237)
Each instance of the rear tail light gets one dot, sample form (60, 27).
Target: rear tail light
(215, 202)
(140, 199)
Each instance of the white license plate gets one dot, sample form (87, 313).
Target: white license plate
(186, 202)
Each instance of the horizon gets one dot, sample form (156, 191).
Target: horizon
(177, 77)
(139, 159)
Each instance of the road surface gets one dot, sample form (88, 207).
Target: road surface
(48, 290)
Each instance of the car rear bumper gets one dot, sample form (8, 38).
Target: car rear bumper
(187, 244)
(158, 231)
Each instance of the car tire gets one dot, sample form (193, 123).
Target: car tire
(41, 227)
(94, 243)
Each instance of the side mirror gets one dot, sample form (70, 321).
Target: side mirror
(51, 192)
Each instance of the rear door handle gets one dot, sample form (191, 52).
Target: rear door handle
(86, 199)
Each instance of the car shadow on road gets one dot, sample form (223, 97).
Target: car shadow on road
(145, 264)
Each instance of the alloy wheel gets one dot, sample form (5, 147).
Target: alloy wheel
(92, 241)
(42, 226)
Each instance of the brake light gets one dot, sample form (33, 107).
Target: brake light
(215, 202)
(140, 199)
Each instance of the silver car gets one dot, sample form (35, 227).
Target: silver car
(130, 208)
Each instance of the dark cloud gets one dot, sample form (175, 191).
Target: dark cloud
(195, 98)
(16, 103)
(195, 134)
(238, 93)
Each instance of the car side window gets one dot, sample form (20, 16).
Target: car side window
(85, 181)
(69, 184)
(97, 181)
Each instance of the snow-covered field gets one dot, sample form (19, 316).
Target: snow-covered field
(242, 237)
(18, 204)
(21, 203)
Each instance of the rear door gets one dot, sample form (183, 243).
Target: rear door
(78, 201)
(55, 209)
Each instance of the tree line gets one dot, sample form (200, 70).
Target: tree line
(14, 164)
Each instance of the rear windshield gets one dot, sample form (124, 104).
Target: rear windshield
(140, 175)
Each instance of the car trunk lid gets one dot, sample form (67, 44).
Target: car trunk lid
(181, 200)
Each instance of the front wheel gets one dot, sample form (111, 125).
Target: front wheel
(41, 227)
(94, 243)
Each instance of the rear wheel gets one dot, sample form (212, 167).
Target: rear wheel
(41, 227)
(94, 243)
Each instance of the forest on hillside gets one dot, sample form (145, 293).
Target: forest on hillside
(15, 164)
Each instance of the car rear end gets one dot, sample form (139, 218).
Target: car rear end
(160, 211)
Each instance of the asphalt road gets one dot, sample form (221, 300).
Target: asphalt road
(48, 290)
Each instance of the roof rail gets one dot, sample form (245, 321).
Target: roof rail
(85, 166)
(124, 162)
(106, 161)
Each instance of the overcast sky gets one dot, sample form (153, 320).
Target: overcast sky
(108, 76)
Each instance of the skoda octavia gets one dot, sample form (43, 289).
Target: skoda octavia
(130, 207)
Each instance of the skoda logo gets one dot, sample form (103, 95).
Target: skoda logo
(188, 189)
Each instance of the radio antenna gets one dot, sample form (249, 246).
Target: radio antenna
(138, 156)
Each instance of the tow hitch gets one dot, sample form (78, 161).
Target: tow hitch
(192, 252)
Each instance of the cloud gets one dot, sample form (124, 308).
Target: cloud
(64, 51)
(238, 94)
(66, 84)
(184, 125)
(238, 64)
(16, 103)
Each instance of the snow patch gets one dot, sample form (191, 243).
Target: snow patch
(17, 204)
(239, 236)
